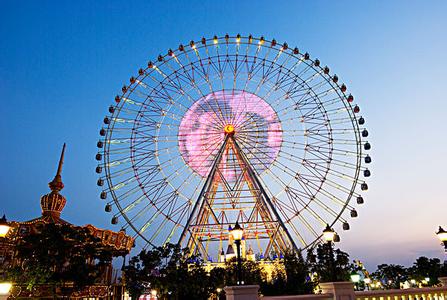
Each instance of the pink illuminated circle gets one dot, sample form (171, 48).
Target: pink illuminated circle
(257, 130)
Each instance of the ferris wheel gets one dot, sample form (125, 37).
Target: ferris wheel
(233, 129)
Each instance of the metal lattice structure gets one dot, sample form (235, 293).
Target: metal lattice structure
(233, 129)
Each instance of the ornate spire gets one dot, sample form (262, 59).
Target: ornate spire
(56, 185)
(53, 203)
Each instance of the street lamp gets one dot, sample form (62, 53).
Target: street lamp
(442, 235)
(329, 236)
(237, 233)
(4, 227)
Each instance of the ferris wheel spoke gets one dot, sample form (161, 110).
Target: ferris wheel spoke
(311, 212)
(125, 194)
(333, 185)
(326, 208)
(132, 205)
(188, 96)
(310, 227)
(335, 173)
(158, 231)
(116, 173)
(147, 224)
(293, 92)
(346, 164)
(298, 215)
(176, 173)
(303, 104)
(219, 112)
(249, 153)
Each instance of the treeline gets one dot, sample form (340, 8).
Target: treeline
(173, 274)
(60, 253)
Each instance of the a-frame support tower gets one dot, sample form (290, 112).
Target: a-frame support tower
(233, 192)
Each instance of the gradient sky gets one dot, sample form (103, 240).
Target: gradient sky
(61, 66)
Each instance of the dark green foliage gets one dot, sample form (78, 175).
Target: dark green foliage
(175, 276)
(217, 277)
(297, 274)
(391, 275)
(294, 279)
(251, 272)
(425, 267)
(443, 271)
(330, 265)
(170, 271)
(58, 254)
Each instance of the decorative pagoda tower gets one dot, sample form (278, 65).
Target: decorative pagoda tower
(53, 203)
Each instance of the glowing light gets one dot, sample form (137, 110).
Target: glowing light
(442, 234)
(229, 129)
(355, 277)
(4, 227)
(237, 232)
(5, 287)
(329, 234)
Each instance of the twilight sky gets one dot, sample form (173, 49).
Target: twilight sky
(62, 65)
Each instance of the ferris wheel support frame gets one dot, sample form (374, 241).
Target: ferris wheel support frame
(279, 237)
(205, 188)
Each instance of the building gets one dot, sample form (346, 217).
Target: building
(52, 205)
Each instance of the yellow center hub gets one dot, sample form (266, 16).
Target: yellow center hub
(229, 129)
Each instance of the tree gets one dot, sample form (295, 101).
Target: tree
(425, 267)
(391, 276)
(58, 254)
(329, 264)
(217, 278)
(443, 272)
(169, 270)
(292, 278)
(297, 274)
(251, 272)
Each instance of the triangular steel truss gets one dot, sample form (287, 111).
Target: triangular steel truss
(233, 192)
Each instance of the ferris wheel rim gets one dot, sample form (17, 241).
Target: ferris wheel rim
(337, 88)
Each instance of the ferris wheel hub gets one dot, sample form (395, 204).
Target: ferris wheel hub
(229, 129)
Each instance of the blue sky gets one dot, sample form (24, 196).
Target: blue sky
(62, 64)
